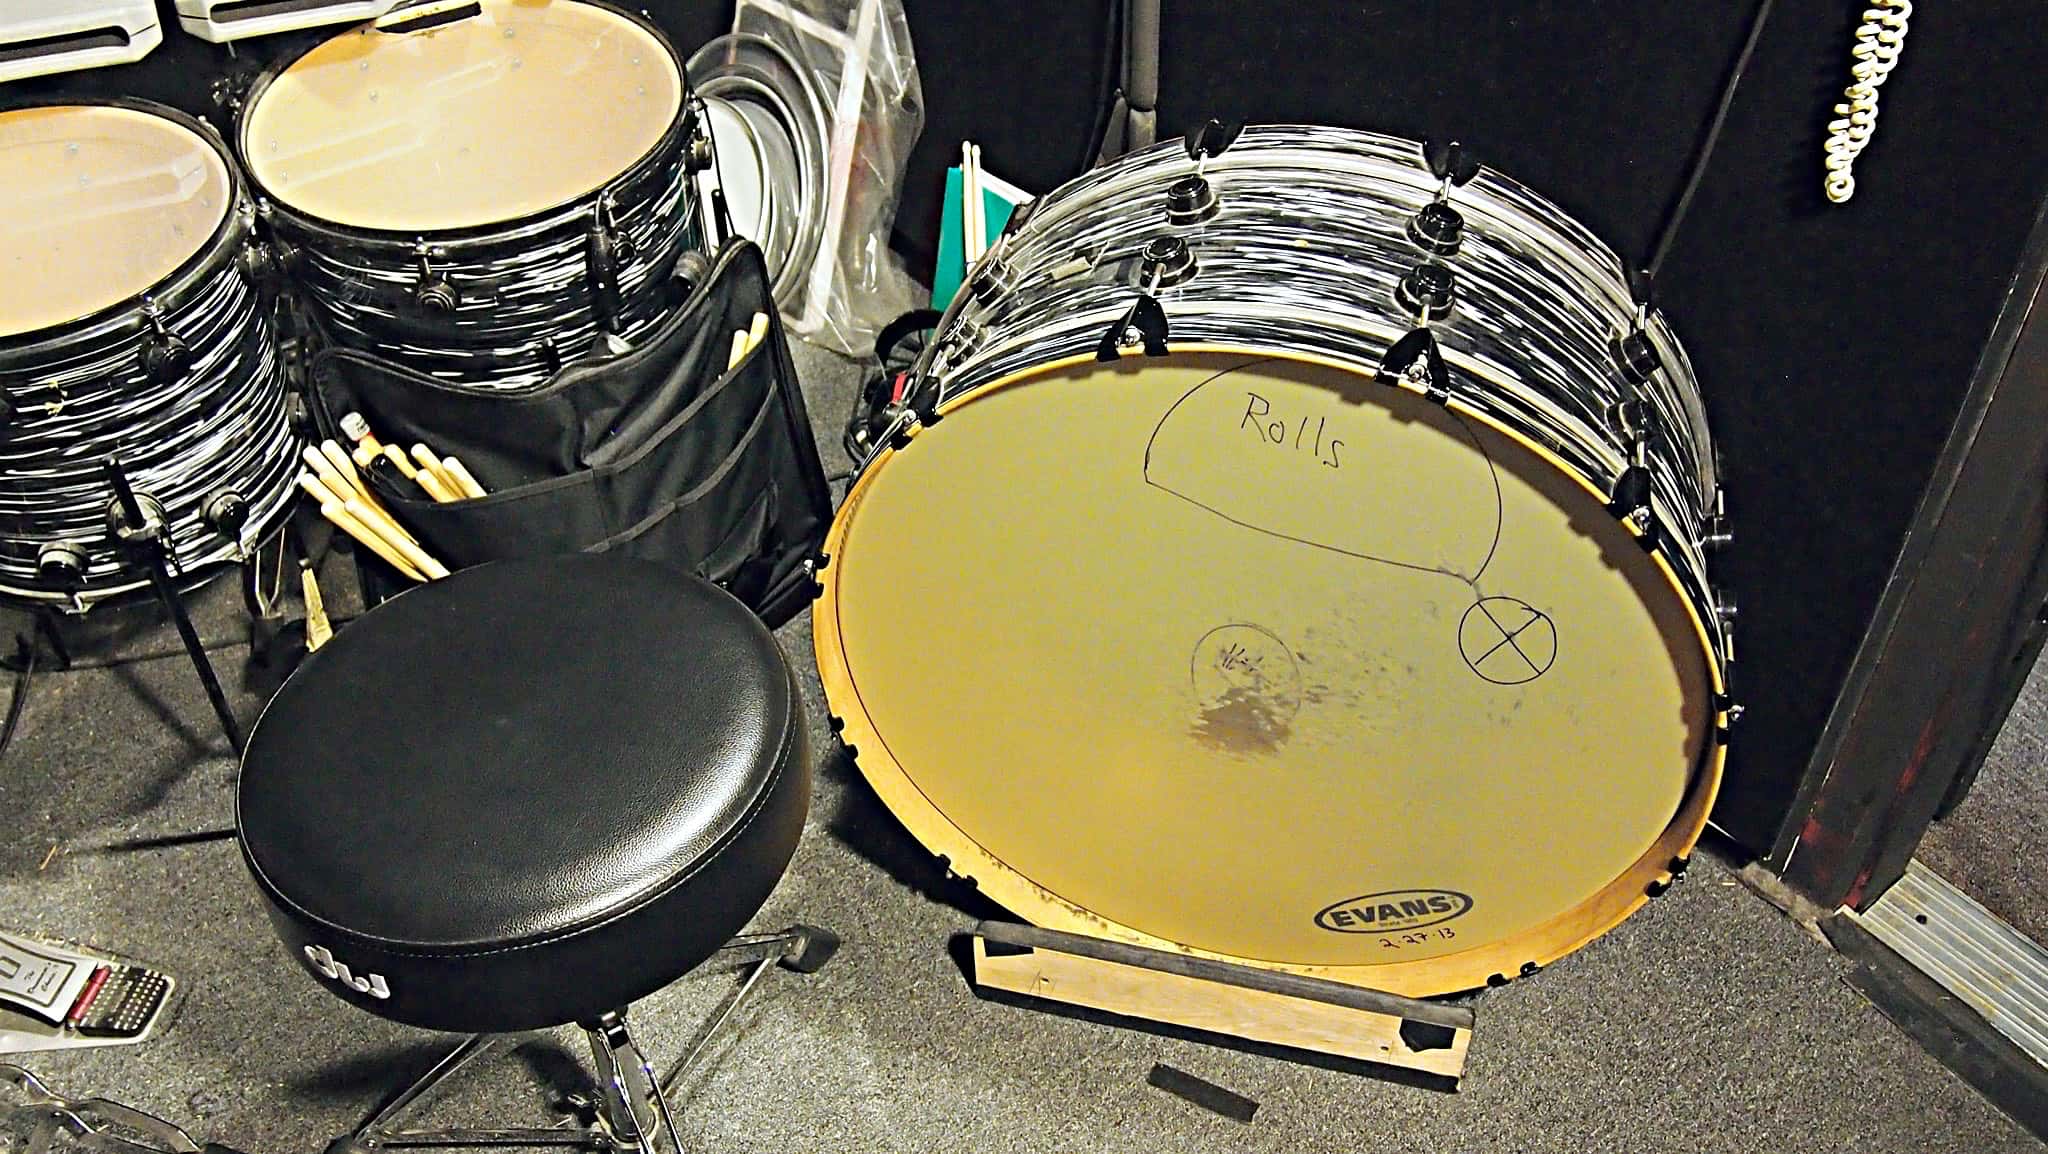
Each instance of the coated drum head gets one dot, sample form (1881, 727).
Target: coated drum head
(100, 204)
(1249, 655)
(524, 108)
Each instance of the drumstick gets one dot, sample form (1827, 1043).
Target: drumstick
(464, 482)
(968, 246)
(319, 628)
(333, 452)
(434, 486)
(369, 538)
(739, 349)
(326, 491)
(406, 468)
(757, 331)
(406, 547)
(980, 207)
(325, 470)
(431, 464)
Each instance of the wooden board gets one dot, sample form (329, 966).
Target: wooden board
(1222, 998)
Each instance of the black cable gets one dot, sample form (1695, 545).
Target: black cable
(1669, 232)
(1109, 83)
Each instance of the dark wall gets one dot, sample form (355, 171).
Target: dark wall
(1834, 343)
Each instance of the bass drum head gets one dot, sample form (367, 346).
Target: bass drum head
(1247, 655)
(521, 109)
(100, 204)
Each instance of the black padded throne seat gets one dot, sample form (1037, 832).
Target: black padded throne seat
(527, 794)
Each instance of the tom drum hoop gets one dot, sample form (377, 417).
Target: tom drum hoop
(1236, 626)
(487, 199)
(130, 328)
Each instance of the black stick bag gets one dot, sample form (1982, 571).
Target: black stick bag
(660, 452)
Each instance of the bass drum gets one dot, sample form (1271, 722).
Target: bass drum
(1237, 628)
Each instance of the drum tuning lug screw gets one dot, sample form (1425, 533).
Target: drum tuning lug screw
(433, 292)
(1427, 290)
(1190, 200)
(1167, 261)
(165, 357)
(1438, 229)
(1715, 532)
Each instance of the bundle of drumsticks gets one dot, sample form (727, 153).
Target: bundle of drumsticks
(334, 478)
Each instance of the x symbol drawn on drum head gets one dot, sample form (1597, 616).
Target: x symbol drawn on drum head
(1503, 653)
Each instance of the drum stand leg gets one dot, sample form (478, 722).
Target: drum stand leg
(630, 1105)
(138, 522)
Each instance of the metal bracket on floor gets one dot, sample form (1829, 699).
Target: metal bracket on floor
(629, 1108)
(1223, 1000)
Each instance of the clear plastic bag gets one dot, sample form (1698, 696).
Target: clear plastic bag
(858, 57)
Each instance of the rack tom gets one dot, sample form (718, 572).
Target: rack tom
(486, 199)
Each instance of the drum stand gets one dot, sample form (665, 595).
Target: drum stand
(137, 521)
(1303, 1018)
(1134, 112)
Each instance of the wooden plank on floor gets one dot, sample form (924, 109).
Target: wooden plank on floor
(1242, 1002)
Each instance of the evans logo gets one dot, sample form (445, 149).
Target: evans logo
(371, 984)
(1393, 910)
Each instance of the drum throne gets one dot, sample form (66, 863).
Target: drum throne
(528, 796)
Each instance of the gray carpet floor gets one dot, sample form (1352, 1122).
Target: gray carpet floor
(1993, 846)
(1709, 1022)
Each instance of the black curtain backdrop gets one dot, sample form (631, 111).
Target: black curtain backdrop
(1834, 343)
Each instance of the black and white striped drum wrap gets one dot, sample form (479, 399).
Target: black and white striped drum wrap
(483, 201)
(1307, 245)
(1184, 607)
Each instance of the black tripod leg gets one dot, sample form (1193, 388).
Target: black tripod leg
(166, 592)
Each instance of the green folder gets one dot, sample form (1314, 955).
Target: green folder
(998, 200)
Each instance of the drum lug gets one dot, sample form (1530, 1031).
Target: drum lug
(697, 154)
(1714, 530)
(1190, 200)
(433, 292)
(603, 250)
(1427, 290)
(1438, 229)
(991, 280)
(1143, 325)
(165, 355)
(1635, 356)
(1166, 262)
(1417, 361)
(226, 513)
(62, 563)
